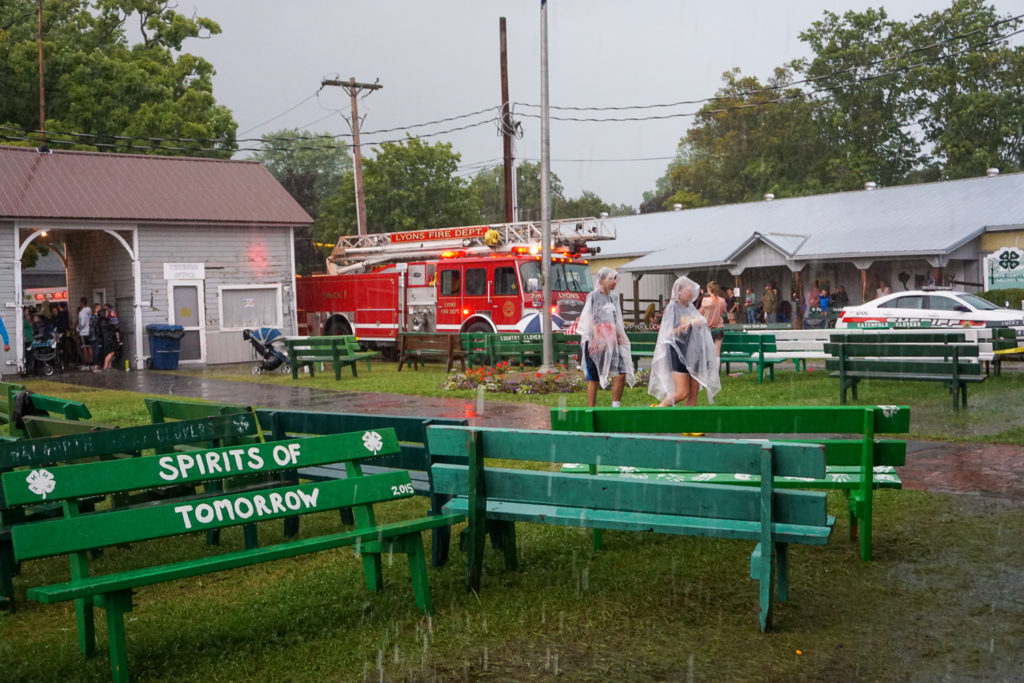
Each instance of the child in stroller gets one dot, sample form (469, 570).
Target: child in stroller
(268, 343)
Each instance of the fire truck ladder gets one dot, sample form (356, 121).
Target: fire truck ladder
(359, 252)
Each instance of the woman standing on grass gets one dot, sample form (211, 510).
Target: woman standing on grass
(606, 349)
(685, 358)
(713, 309)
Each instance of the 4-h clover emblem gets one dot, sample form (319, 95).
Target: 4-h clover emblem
(40, 482)
(373, 442)
(1009, 260)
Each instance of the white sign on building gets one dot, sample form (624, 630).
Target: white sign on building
(1004, 269)
(184, 271)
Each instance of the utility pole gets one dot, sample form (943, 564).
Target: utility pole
(42, 95)
(353, 88)
(506, 126)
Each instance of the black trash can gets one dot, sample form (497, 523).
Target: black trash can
(165, 345)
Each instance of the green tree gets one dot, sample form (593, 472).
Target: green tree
(311, 167)
(408, 185)
(589, 204)
(970, 102)
(99, 84)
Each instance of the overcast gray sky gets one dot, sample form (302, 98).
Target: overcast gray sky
(440, 59)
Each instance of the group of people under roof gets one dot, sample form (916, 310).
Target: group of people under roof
(685, 355)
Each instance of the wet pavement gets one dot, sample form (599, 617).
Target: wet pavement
(980, 468)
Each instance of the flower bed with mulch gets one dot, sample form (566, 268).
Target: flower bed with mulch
(502, 379)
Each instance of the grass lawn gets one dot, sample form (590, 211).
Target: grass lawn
(940, 601)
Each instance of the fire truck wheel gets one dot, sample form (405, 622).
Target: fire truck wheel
(337, 326)
(479, 326)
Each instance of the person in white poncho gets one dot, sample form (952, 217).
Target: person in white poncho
(684, 357)
(606, 350)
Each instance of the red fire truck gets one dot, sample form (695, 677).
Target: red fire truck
(467, 279)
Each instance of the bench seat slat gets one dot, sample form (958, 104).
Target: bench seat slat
(915, 376)
(843, 478)
(561, 515)
(150, 575)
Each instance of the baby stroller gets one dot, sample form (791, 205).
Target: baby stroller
(268, 343)
(43, 355)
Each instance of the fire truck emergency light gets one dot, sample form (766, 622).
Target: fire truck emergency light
(453, 254)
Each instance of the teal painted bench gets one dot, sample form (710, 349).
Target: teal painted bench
(495, 498)
(903, 357)
(78, 447)
(74, 534)
(857, 460)
(341, 351)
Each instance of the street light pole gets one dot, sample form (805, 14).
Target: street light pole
(545, 192)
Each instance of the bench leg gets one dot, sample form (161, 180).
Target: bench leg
(762, 570)
(116, 605)
(503, 539)
(7, 571)
(782, 566)
(412, 545)
(251, 536)
(372, 571)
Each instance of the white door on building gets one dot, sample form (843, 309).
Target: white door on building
(187, 310)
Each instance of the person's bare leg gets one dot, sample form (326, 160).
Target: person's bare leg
(618, 385)
(718, 346)
(592, 393)
(679, 379)
(693, 387)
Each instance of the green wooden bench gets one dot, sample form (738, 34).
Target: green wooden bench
(496, 498)
(74, 534)
(739, 347)
(857, 460)
(903, 356)
(415, 457)
(412, 347)
(340, 350)
(165, 410)
(41, 405)
(93, 445)
(641, 344)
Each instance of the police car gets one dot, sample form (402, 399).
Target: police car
(929, 308)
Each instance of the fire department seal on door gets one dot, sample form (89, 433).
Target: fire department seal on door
(508, 309)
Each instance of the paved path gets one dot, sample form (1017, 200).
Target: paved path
(990, 469)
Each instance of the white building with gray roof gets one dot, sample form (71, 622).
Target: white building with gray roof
(908, 236)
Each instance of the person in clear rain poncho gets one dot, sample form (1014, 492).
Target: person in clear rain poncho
(684, 357)
(606, 350)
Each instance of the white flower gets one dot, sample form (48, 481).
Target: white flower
(744, 476)
(373, 442)
(889, 411)
(40, 482)
(705, 476)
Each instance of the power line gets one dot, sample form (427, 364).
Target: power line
(286, 111)
(812, 79)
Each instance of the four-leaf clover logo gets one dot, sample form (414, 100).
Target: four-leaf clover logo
(1009, 260)
(373, 442)
(40, 482)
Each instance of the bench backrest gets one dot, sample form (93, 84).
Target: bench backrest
(72, 447)
(39, 426)
(861, 421)
(762, 458)
(78, 533)
(71, 410)
(428, 341)
(411, 431)
(164, 410)
(740, 342)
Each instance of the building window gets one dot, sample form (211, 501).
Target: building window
(250, 307)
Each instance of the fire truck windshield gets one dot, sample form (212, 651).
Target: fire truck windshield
(565, 277)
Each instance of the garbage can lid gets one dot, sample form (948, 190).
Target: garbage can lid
(163, 328)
